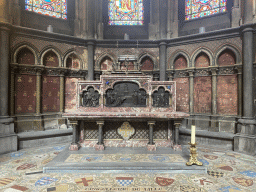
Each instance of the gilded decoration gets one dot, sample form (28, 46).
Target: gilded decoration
(126, 131)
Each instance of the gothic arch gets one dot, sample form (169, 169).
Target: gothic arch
(231, 48)
(174, 56)
(31, 48)
(76, 54)
(100, 58)
(46, 50)
(205, 51)
(143, 55)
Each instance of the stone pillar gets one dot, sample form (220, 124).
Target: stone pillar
(191, 90)
(100, 145)
(163, 19)
(244, 140)
(91, 22)
(175, 23)
(75, 145)
(162, 60)
(236, 14)
(90, 61)
(151, 145)
(38, 117)
(214, 119)
(176, 132)
(8, 139)
(239, 89)
(248, 11)
(62, 92)
(153, 27)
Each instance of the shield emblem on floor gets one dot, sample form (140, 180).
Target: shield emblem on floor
(45, 181)
(84, 181)
(242, 181)
(25, 166)
(164, 181)
(159, 158)
(124, 181)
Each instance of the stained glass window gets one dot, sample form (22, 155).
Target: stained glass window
(53, 8)
(126, 12)
(201, 8)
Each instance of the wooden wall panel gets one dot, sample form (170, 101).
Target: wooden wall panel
(50, 94)
(182, 94)
(227, 95)
(25, 94)
(202, 94)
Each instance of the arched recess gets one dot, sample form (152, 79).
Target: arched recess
(202, 58)
(51, 58)
(231, 51)
(149, 56)
(106, 64)
(73, 61)
(147, 64)
(25, 54)
(101, 59)
(227, 85)
(176, 55)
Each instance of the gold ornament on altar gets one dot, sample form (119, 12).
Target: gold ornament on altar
(126, 130)
(193, 156)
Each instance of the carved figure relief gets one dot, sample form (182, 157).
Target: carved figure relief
(91, 98)
(126, 94)
(161, 98)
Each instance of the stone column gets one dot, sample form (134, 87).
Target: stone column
(175, 23)
(214, 119)
(75, 145)
(239, 89)
(236, 14)
(191, 90)
(62, 92)
(90, 61)
(38, 117)
(151, 144)
(8, 139)
(177, 129)
(100, 145)
(91, 22)
(163, 19)
(244, 140)
(248, 11)
(162, 60)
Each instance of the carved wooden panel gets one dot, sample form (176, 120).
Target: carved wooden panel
(25, 56)
(226, 58)
(50, 59)
(202, 94)
(180, 63)
(227, 95)
(25, 94)
(182, 94)
(202, 60)
(50, 94)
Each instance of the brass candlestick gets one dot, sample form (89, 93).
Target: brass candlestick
(193, 155)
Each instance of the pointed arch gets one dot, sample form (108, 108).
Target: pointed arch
(25, 46)
(202, 50)
(73, 53)
(231, 48)
(100, 59)
(175, 55)
(144, 55)
(55, 51)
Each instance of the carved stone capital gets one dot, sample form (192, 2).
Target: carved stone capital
(239, 68)
(191, 72)
(214, 71)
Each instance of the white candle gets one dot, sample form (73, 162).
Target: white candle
(193, 134)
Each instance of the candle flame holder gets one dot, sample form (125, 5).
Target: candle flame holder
(193, 156)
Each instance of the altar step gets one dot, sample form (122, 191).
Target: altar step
(123, 160)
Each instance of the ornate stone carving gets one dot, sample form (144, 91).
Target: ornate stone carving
(126, 131)
(91, 98)
(161, 98)
(202, 72)
(126, 94)
(181, 73)
(226, 70)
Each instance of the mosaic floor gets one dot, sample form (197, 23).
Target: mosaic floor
(227, 172)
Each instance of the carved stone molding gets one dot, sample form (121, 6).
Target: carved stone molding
(55, 71)
(202, 72)
(181, 73)
(226, 70)
(28, 69)
(77, 73)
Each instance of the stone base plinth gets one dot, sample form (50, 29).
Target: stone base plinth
(177, 148)
(151, 147)
(74, 147)
(98, 147)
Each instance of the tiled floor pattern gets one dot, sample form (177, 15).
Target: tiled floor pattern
(227, 172)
